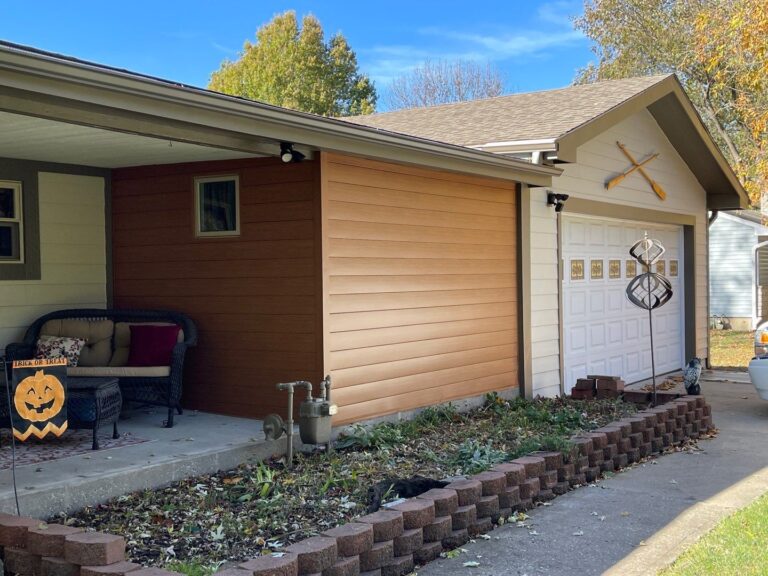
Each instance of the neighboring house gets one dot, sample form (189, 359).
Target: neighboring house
(413, 271)
(576, 319)
(738, 268)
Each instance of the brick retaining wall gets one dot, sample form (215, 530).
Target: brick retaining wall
(392, 541)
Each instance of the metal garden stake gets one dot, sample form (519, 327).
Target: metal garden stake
(649, 290)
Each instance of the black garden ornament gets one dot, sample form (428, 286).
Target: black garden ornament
(649, 290)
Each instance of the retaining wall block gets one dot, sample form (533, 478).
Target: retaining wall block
(534, 465)
(20, 561)
(464, 517)
(446, 501)
(94, 549)
(456, 538)
(440, 528)
(315, 554)
(530, 488)
(13, 530)
(54, 566)
(607, 465)
(377, 556)
(48, 539)
(560, 488)
(346, 566)
(545, 495)
(398, 566)
(154, 572)
(515, 473)
(620, 461)
(468, 491)
(565, 472)
(428, 552)
(595, 458)
(233, 572)
(480, 526)
(610, 451)
(408, 542)
(577, 480)
(417, 513)
(510, 497)
(524, 505)
(286, 565)
(387, 524)
(599, 439)
(584, 445)
(493, 483)
(352, 539)
(548, 479)
(638, 424)
(116, 569)
(592, 473)
(612, 433)
(488, 506)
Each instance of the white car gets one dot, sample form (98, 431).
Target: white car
(761, 340)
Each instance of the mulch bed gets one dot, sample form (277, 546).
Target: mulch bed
(238, 514)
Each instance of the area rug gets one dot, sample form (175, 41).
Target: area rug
(72, 443)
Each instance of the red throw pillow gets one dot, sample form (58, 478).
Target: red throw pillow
(152, 345)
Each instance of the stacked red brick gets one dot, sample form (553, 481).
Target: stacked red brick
(34, 548)
(600, 387)
(389, 542)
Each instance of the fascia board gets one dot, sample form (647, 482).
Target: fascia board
(94, 85)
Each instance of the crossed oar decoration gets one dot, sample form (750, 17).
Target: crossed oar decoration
(639, 167)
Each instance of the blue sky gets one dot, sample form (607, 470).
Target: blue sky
(532, 42)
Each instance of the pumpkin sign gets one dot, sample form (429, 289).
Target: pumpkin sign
(39, 398)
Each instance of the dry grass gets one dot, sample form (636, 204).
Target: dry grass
(731, 349)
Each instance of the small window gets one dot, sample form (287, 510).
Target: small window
(217, 206)
(11, 223)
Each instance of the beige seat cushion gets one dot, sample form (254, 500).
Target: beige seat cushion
(123, 340)
(120, 371)
(97, 333)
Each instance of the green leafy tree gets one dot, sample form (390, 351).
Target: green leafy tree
(704, 42)
(296, 68)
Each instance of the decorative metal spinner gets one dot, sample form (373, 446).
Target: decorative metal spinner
(649, 290)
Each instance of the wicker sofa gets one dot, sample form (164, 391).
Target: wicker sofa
(106, 351)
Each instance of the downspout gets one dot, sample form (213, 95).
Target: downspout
(560, 320)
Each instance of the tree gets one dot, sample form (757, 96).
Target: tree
(442, 82)
(716, 47)
(296, 68)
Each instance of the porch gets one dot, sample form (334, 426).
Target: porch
(150, 457)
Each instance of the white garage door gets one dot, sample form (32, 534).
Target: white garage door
(604, 332)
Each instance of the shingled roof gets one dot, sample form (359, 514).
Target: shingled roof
(530, 116)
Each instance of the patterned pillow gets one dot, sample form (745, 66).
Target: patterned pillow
(58, 347)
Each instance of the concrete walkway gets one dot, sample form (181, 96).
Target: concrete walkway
(199, 443)
(638, 521)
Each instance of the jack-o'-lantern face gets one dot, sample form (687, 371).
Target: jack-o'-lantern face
(39, 398)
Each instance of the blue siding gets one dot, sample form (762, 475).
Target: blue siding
(731, 269)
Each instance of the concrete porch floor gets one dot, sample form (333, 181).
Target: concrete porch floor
(199, 443)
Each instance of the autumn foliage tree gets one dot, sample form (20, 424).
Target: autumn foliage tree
(718, 49)
(295, 67)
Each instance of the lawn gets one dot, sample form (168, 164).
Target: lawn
(731, 349)
(737, 546)
(194, 525)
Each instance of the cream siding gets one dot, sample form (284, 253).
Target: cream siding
(72, 254)
(597, 161)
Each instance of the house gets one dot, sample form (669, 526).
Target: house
(416, 263)
(390, 261)
(738, 263)
(575, 263)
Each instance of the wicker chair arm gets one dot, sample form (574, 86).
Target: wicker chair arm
(19, 351)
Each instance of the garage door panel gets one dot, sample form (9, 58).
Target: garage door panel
(605, 333)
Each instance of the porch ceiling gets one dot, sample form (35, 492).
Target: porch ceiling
(32, 138)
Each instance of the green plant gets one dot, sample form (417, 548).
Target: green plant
(384, 435)
(193, 567)
(473, 456)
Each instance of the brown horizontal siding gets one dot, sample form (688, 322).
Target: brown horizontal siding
(421, 275)
(255, 297)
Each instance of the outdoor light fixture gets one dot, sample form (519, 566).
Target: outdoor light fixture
(288, 154)
(556, 200)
